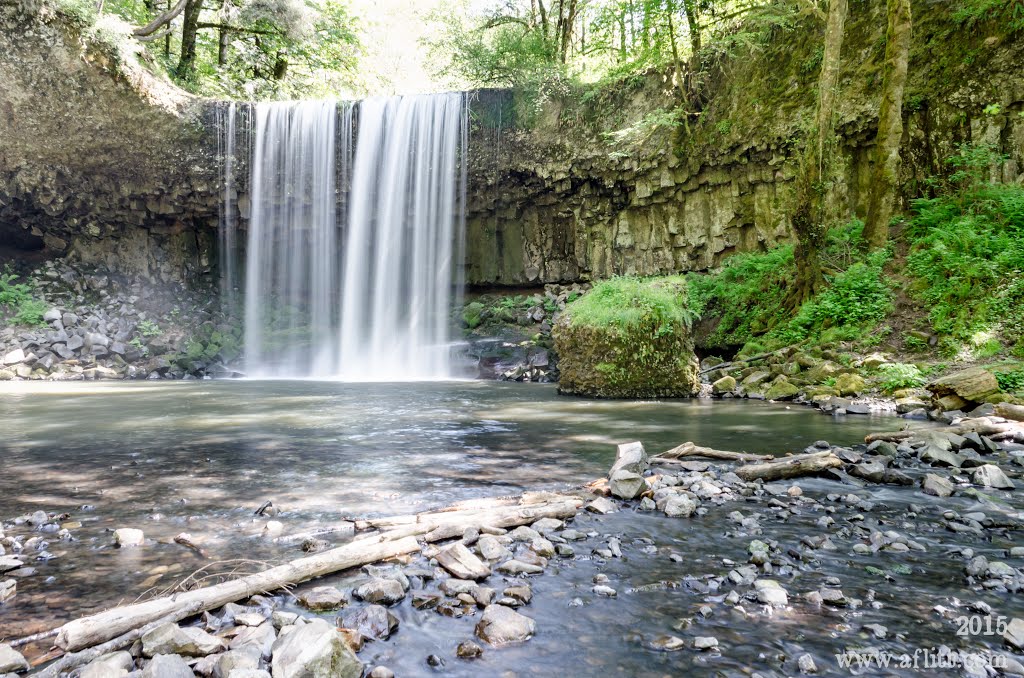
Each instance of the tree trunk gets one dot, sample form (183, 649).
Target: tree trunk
(693, 67)
(543, 18)
(808, 215)
(222, 47)
(890, 125)
(190, 27)
(680, 72)
(790, 467)
(104, 626)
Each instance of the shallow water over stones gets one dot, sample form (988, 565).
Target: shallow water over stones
(202, 457)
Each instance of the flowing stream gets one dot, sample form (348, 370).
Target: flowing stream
(200, 457)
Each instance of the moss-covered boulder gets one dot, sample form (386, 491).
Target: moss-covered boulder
(628, 338)
(850, 384)
(782, 390)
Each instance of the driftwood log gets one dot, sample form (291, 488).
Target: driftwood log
(982, 426)
(76, 659)
(447, 524)
(693, 450)
(790, 467)
(124, 624)
(105, 626)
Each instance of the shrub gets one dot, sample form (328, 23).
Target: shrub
(967, 253)
(628, 302)
(20, 301)
(1011, 382)
(900, 375)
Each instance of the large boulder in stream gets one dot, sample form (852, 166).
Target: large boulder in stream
(962, 390)
(628, 338)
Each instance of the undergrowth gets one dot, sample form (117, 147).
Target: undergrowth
(627, 302)
(747, 296)
(18, 301)
(967, 254)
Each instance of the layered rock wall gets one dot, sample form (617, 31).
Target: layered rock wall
(100, 160)
(587, 185)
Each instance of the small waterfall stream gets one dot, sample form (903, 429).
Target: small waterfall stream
(355, 227)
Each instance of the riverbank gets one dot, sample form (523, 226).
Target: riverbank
(652, 592)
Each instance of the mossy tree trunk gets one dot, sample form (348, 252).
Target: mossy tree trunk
(808, 214)
(885, 172)
(189, 30)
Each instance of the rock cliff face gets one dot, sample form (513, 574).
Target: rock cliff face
(592, 186)
(103, 162)
(100, 160)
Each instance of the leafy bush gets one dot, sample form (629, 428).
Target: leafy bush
(20, 301)
(856, 296)
(148, 328)
(1011, 382)
(627, 302)
(900, 375)
(967, 252)
(747, 296)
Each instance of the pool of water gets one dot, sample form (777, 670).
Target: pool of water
(201, 457)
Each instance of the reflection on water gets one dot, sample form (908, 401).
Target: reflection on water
(201, 456)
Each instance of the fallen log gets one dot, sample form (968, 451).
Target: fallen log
(467, 506)
(345, 529)
(105, 626)
(690, 449)
(76, 659)
(982, 427)
(437, 526)
(523, 516)
(751, 359)
(790, 467)
(1010, 411)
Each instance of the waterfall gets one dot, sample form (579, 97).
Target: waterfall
(354, 237)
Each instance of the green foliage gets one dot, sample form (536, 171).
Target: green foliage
(1011, 381)
(273, 49)
(81, 12)
(644, 128)
(628, 302)
(138, 344)
(747, 296)
(857, 296)
(19, 300)
(1009, 14)
(900, 375)
(967, 252)
(148, 328)
(471, 314)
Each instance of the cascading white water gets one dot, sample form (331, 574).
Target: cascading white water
(350, 259)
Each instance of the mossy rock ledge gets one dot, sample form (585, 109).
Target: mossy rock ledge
(627, 338)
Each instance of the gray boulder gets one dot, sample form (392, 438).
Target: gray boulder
(626, 484)
(502, 625)
(167, 666)
(314, 650)
(990, 475)
(111, 665)
(189, 641)
(630, 457)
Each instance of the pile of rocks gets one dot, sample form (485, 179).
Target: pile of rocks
(836, 385)
(103, 326)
